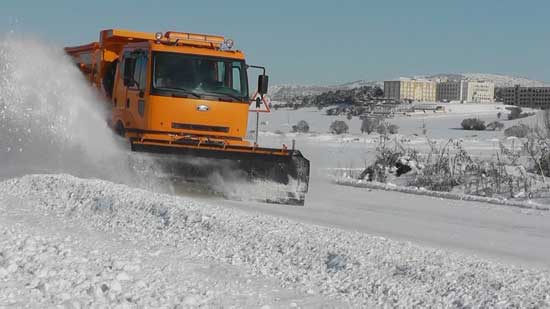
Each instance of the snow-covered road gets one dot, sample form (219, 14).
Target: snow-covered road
(503, 233)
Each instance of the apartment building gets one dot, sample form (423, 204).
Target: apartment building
(466, 91)
(535, 97)
(479, 92)
(419, 90)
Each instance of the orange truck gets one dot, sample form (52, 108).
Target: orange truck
(181, 95)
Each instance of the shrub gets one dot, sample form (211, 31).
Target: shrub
(382, 129)
(338, 127)
(545, 164)
(349, 116)
(435, 181)
(385, 128)
(302, 126)
(473, 124)
(495, 125)
(393, 129)
(520, 130)
(515, 113)
(369, 124)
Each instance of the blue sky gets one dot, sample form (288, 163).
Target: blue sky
(323, 42)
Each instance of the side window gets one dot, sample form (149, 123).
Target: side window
(236, 78)
(220, 67)
(137, 70)
(143, 73)
(129, 68)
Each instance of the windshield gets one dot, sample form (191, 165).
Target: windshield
(199, 76)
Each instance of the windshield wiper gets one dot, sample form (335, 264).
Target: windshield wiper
(186, 91)
(232, 96)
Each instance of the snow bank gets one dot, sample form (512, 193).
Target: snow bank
(361, 269)
(528, 204)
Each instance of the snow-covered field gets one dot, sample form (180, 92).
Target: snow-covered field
(76, 231)
(353, 149)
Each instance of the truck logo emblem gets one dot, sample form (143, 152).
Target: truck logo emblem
(202, 108)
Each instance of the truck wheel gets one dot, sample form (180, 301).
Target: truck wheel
(119, 129)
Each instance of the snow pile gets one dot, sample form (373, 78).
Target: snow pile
(361, 269)
(42, 269)
(347, 180)
(48, 269)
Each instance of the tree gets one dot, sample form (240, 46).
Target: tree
(393, 129)
(520, 130)
(338, 127)
(302, 126)
(516, 113)
(378, 92)
(473, 124)
(369, 124)
(382, 129)
(495, 125)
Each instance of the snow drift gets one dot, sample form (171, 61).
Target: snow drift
(354, 267)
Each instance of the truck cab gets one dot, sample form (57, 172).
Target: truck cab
(160, 89)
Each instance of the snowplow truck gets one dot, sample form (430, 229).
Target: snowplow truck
(183, 95)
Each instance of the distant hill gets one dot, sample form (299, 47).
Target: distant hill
(288, 92)
(497, 79)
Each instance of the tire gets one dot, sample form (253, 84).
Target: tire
(119, 129)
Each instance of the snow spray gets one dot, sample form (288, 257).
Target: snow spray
(51, 121)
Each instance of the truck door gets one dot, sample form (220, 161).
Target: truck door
(129, 101)
(135, 95)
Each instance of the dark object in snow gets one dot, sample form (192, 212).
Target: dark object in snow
(335, 262)
(369, 171)
(401, 169)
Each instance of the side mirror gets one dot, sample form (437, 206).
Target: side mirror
(263, 81)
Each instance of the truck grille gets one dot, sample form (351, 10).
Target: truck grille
(199, 127)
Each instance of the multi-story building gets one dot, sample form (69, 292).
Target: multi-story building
(479, 92)
(420, 90)
(447, 91)
(535, 97)
(466, 91)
